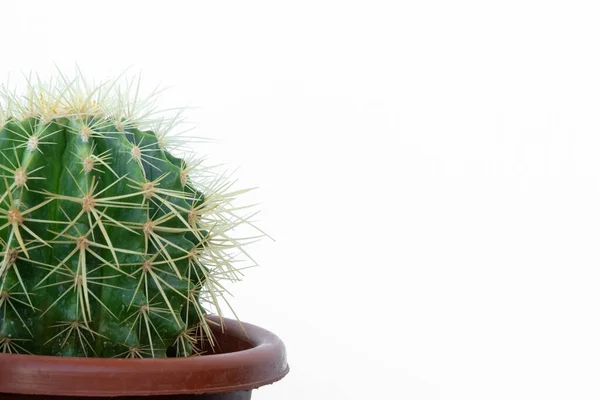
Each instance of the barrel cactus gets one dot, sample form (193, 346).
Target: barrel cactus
(112, 245)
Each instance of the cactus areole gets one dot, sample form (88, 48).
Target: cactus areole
(113, 243)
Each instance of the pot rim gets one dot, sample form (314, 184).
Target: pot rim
(262, 364)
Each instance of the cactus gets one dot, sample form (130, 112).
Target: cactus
(112, 246)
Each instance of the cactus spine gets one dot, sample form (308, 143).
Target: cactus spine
(108, 240)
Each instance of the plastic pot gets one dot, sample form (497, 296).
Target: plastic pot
(244, 359)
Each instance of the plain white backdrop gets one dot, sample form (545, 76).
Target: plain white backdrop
(430, 171)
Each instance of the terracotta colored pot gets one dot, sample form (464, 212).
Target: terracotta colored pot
(241, 363)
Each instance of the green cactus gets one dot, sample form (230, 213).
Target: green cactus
(111, 245)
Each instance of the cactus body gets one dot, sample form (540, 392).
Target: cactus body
(107, 243)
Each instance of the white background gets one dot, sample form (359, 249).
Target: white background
(430, 172)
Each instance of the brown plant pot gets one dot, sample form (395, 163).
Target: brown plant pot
(244, 359)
